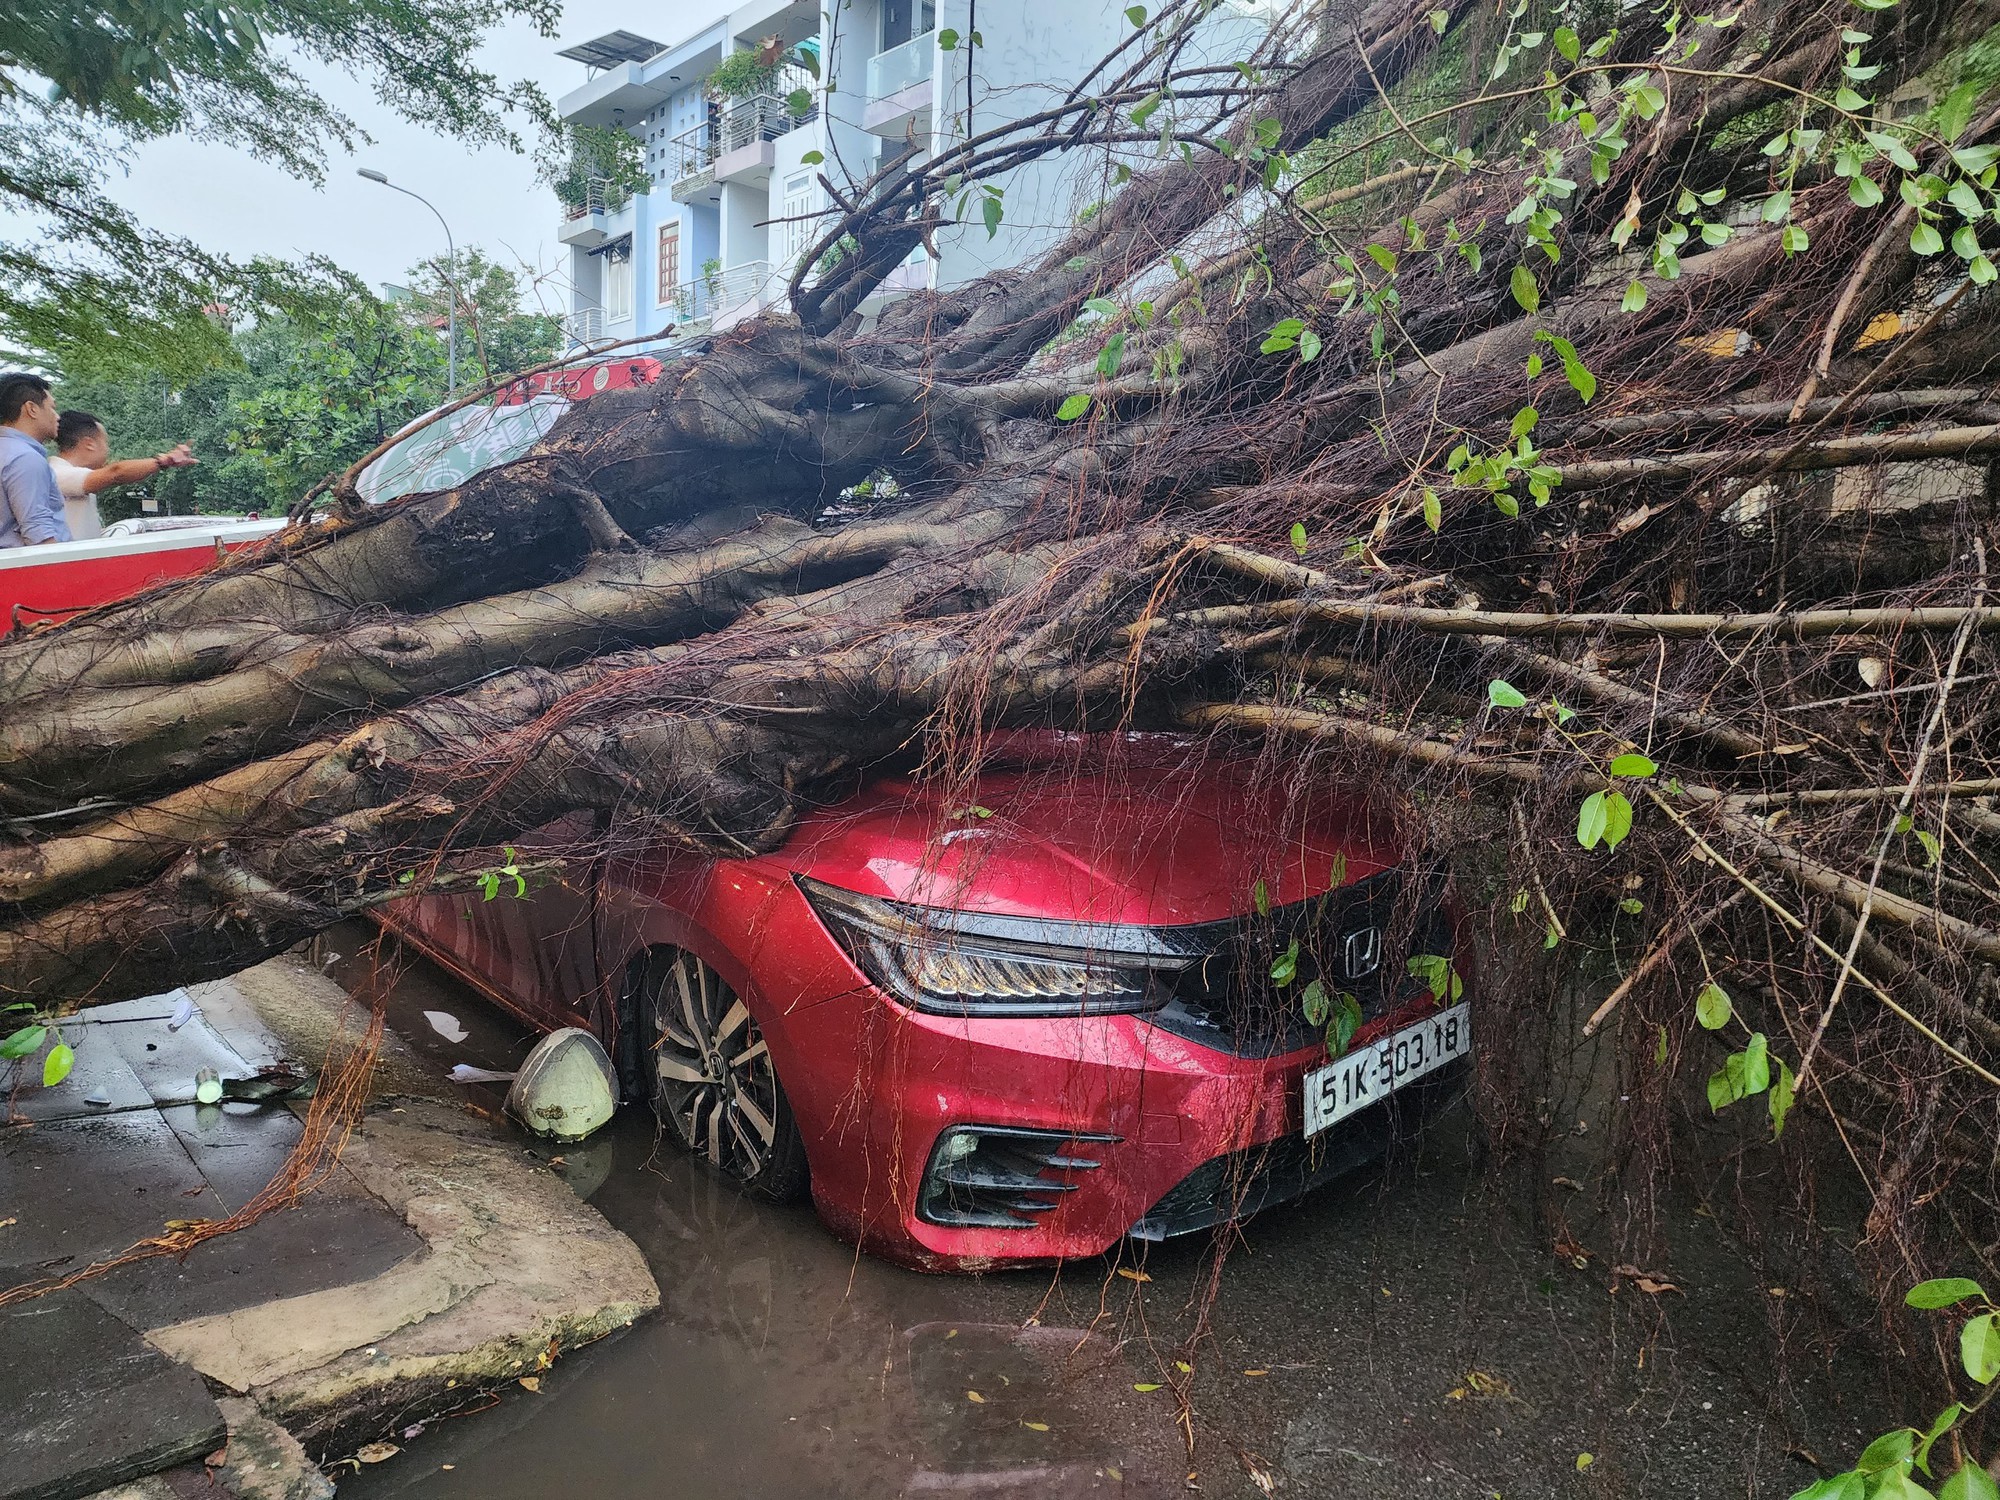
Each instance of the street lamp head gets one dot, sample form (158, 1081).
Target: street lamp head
(372, 175)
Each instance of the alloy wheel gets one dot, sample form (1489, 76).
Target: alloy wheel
(713, 1080)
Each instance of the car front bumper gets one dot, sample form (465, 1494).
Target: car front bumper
(1156, 1135)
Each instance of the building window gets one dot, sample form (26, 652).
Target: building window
(670, 262)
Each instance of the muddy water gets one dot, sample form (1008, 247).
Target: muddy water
(1406, 1332)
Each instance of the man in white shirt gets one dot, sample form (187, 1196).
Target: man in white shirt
(83, 466)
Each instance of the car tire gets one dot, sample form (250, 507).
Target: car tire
(704, 1066)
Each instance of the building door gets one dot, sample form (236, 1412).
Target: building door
(801, 199)
(618, 282)
(903, 19)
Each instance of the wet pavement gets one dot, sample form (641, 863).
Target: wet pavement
(1408, 1331)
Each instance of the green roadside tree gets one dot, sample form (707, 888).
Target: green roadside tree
(82, 84)
(308, 389)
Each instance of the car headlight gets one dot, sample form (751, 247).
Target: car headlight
(961, 963)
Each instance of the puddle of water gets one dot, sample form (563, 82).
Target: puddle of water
(781, 1363)
(1335, 1356)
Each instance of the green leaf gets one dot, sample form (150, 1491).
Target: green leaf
(1633, 764)
(1438, 976)
(1660, 1048)
(1712, 1007)
(1756, 1064)
(947, 40)
(1286, 967)
(1314, 1002)
(56, 1066)
(1981, 271)
(1617, 819)
(1889, 1451)
(1260, 898)
(1524, 422)
(1648, 101)
(1970, 1483)
(1781, 1097)
(1897, 1485)
(1104, 307)
(1347, 1020)
(1940, 1425)
(1433, 509)
(1112, 355)
(1631, 906)
(1865, 192)
(1635, 297)
(1567, 44)
(1724, 1084)
(1794, 240)
(1522, 284)
(1502, 694)
(1309, 347)
(812, 158)
(990, 211)
(1973, 160)
(1136, 14)
(1298, 535)
(1590, 821)
(1848, 1486)
(1439, 20)
(1925, 240)
(1979, 1347)
(1933, 850)
(24, 1042)
(1942, 1291)
(1074, 405)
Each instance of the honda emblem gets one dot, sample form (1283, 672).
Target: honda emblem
(1361, 952)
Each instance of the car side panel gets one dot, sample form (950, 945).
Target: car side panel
(537, 950)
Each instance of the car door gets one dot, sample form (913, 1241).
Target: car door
(530, 940)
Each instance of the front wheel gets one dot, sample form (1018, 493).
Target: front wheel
(711, 1079)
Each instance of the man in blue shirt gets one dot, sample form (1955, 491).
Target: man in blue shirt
(31, 507)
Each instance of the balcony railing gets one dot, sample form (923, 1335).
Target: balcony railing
(762, 117)
(600, 196)
(753, 285)
(897, 69)
(692, 153)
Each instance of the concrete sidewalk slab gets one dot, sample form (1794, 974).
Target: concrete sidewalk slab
(516, 1265)
(89, 1403)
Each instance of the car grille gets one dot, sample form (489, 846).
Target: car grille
(1227, 999)
(1227, 1188)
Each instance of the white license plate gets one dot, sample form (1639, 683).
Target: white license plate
(1372, 1073)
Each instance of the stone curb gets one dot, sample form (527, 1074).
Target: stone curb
(516, 1269)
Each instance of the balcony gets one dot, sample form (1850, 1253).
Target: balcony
(691, 162)
(588, 224)
(899, 86)
(727, 296)
(749, 126)
(585, 325)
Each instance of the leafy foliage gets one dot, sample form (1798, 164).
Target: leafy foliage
(80, 84)
(309, 390)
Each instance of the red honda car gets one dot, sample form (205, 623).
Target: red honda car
(1117, 987)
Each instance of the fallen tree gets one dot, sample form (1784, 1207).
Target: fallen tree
(1549, 423)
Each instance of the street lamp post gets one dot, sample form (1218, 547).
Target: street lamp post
(451, 275)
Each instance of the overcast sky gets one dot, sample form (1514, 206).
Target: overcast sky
(230, 203)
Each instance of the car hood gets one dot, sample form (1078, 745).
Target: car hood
(1160, 842)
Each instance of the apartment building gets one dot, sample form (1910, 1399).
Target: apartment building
(735, 154)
